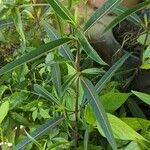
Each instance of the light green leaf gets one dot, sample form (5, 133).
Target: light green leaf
(100, 12)
(143, 96)
(142, 37)
(126, 14)
(108, 75)
(64, 49)
(93, 71)
(44, 113)
(132, 146)
(18, 23)
(45, 94)
(39, 132)
(145, 66)
(4, 108)
(137, 123)
(121, 130)
(89, 49)
(98, 110)
(33, 54)
(62, 11)
(113, 100)
(56, 78)
(3, 88)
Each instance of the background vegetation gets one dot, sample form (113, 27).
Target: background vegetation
(56, 92)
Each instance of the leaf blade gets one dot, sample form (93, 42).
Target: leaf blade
(100, 12)
(33, 54)
(98, 110)
(39, 131)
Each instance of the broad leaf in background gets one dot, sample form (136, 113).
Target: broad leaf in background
(121, 130)
(89, 49)
(113, 100)
(137, 123)
(143, 96)
(100, 12)
(52, 34)
(62, 11)
(39, 132)
(34, 54)
(98, 110)
(45, 94)
(56, 78)
(110, 73)
(4, 108)
(126, 14)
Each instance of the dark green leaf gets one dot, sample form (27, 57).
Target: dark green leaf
(126, 14)
(39, 132)
(100, 12)
(45, 94)
(98, 110)
(102, 82)
(64, 49)
(89, 49)
(62, 11)
(56, 78)
(33, 54)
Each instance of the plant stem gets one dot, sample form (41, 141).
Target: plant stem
(77, 96)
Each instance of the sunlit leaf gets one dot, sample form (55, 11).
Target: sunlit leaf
(4, 108)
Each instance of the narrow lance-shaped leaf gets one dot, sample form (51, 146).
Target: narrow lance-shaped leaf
(126, 14)
(100, 12)
(56, 78)
(39, 132)
(33, 54)
(134, 18)
(89, 49)
(107, 76)
(62, 11)
(98, 110)
(45, 94)
(52, 34)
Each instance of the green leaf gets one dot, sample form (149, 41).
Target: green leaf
(3, 88)
(113, 100)
(134, 18)
(39, 132)
(33, 54)
(143, 96)
(142, 37)
(126, 14)
(93, 71)
(137, 123)
(89, 49)
(145, 66)
(121, 130)
(62, 11)
(98, 110)
(108, 75)
(45, 94)
(4, 108)
(64, 49)
(56, 78)
(68, 83)
(18, 23)
(100, 12)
